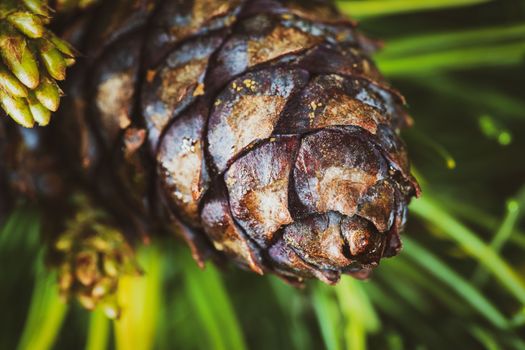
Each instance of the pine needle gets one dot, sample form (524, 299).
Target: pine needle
(46, 313)
(428, 210)
(376, 8)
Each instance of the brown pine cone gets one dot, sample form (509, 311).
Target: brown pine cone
(269, 135)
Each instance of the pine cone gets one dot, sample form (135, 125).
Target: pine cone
(263, 129)
(33, 59)
(91, 256)
(274, 134)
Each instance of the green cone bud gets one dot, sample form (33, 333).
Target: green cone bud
(20, 60)
(103, 287)
(86, 263)
(62, 46)
(53, 61)
(70, 61)
(10, 84)
(41, 114)
(29, 24)
(38, 7)
(48, 94)
(18, 109)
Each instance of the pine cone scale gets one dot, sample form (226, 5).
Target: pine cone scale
(112, 85)
(334, 169)
(258, 196)
(226, 235)
(175, 84)
(248, 110)
(183, 20)
(181, 162)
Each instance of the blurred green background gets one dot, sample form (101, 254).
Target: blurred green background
(459, 282)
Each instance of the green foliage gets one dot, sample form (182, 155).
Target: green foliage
(458, 282)
(213, 308)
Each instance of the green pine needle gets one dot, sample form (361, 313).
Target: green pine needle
(328, 317)
(47, 312)
(375, 8)
(431, 212)
(471, 295)
(456, 39)
(499, 55)
(98, 332)
(213, 307)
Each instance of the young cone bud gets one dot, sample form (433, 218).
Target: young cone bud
(29, 24)
(18, 109)
(53, 60)
(19, 59)
(33, 56)
(38, 7)
(48, 93)
(91, 256)
(41, 114)
(11, 84)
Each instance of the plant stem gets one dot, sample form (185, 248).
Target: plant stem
(140, 299)
(46, 313)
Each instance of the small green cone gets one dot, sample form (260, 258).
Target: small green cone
(33, 59)
(92, 256)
